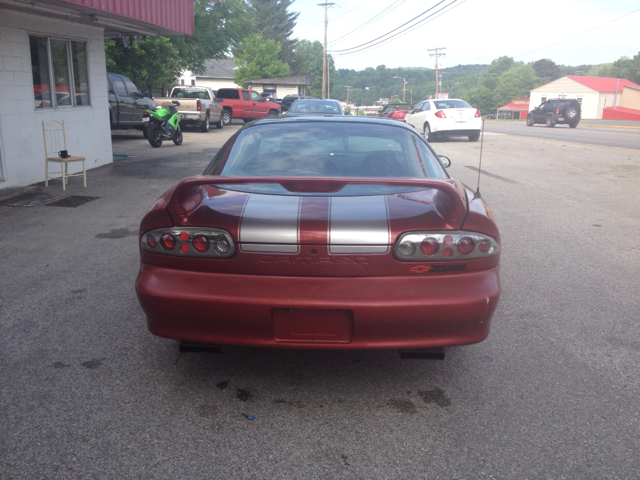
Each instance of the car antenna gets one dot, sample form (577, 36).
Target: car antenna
(477, 194)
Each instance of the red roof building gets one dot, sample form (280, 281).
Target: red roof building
(515, 109)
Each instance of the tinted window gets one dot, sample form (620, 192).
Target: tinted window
(245, 95)
(444, 104)
(316, 107)
(230, 94)
(131, 88)
(119, 86)
(321, 149)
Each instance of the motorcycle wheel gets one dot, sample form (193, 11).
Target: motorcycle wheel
(154, 135)
(177, 137)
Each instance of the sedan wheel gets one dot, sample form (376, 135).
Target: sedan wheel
(427, 133)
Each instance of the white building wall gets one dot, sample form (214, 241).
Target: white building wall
(21, 139)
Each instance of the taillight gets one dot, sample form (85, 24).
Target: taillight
(438, 246)
(478, 114)
(466, 245)
(440, 114)
(168, 242)
(146, 114)
(557, 111)
(199, 105)
(190, 242)
(430, 246)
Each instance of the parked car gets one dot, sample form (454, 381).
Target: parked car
(446, 118)
(321, 232)
(127, 103)
(556, 111)
(491, 116)
(245, 104)
(397, 111)
(314, 106)
(289, 99)
(198, 106)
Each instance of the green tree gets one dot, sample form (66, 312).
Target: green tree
(628, 68)
(602, 70)
(157, 61)
(259, 59)
(272, 20)
(546, 70)
(480, 97)
(310, 57)
(516, 82)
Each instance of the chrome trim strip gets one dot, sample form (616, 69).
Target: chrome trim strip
(359, 225)
(269, 223)
(268, 248)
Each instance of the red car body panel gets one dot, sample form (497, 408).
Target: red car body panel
(316, 269)
(387, 312)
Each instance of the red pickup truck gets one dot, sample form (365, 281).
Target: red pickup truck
(245, 104)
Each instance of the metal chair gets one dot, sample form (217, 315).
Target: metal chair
(55, 140)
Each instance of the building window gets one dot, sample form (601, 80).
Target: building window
(182, 81)
(59, 66)
(544, 99)
(193, 82)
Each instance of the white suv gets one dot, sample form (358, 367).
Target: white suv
(446, 118)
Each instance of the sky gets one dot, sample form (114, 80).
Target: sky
(569, 32)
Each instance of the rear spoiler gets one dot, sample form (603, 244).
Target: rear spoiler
(190, 192)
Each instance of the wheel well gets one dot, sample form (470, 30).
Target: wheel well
(228, 109)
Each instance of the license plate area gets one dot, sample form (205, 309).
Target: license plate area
(145, 119)
(312, 325)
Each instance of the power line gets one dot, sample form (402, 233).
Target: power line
(582, 33)
(430, 18)
(391, 31)
(372, 20)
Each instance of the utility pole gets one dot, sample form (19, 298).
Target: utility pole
(324, 60)
(436, 55)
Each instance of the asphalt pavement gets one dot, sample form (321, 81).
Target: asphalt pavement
(611, 133)
(554, 393)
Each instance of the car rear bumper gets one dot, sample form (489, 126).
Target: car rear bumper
(452, 128)
(319, 312)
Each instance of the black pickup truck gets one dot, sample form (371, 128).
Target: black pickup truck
(127, 103)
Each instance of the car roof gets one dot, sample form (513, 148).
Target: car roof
(332, 119)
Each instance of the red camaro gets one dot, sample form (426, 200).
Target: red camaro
(331, 232)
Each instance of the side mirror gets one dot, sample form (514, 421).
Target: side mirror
(446, 163)
(219, 100)
(144, 93)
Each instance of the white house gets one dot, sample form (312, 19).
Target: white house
(593, 93)
(52, 66)
(217, 74)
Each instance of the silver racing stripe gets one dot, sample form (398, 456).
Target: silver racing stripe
(270, 223)
(359, 225)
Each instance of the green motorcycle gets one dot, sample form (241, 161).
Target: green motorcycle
(163, 124)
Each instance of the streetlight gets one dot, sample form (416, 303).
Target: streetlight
(404, 89)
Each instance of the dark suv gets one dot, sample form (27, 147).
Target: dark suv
(554, 111)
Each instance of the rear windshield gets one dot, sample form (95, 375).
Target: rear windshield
(231, 94)
(326, 149)
(316, 107)
(443, 104)
(190, 93)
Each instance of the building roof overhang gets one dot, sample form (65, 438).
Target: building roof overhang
(117, 17)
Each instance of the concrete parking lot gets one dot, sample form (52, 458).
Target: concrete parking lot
(88, 392)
